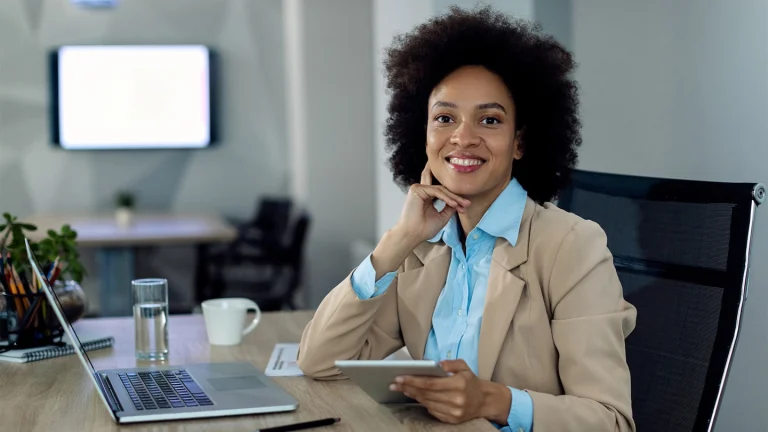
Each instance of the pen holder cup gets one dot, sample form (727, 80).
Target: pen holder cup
(27, 321)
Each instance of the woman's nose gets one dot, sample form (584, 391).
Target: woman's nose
(465, 135)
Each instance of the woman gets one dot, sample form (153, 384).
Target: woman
(518, 299)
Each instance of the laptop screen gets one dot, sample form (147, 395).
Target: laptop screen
(68, 329)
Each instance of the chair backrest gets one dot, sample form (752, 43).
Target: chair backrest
(681, 249)
(272, 218)
(295, 253)
(298, 238)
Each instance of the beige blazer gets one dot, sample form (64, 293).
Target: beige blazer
(554, 323)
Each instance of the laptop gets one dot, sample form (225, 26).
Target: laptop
(165, 392)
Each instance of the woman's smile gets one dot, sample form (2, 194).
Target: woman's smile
(464, 162)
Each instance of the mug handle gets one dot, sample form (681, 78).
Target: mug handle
(252, 305)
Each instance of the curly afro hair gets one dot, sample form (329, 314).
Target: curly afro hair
(535, 68)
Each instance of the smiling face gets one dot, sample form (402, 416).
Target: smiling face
(471, 134)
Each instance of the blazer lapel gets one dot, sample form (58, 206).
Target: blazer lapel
(502, 295)
(418, 291)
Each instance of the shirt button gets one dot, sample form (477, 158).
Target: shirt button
(520, 430)
(475, 236)
(448, 354)
(461, 312)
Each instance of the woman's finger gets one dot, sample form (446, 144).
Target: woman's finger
(444, 194)
(448, 398)
(430, 383)
(426, 175)
(443, 417)
(442, 412)
(429, 193)
(461, 200)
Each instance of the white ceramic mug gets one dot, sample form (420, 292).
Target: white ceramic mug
(224, 319)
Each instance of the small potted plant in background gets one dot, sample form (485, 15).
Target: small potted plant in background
(124, 204)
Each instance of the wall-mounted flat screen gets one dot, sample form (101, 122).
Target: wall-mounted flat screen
(111, 97)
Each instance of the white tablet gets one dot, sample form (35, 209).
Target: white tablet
(375, 376)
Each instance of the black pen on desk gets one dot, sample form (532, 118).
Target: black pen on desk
(300, 426)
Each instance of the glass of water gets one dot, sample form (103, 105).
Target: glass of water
(150, 316)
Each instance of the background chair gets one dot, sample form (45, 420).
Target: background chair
(256, 239)
(271, 278)
(681, 249)
(265, 232)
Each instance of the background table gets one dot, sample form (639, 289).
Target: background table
(57, 395)
(117, 246)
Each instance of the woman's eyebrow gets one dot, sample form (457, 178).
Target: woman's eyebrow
(482, 106)
(492, 105)
(444, 104)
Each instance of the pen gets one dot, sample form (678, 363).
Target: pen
(299, 426)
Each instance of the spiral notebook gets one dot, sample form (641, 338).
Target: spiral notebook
(90, 343)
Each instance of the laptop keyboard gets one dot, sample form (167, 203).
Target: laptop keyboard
(163, 389)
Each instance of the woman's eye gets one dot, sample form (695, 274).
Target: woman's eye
(443, 119)
(491, 121)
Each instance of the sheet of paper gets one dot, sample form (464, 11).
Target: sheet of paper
(282, 362)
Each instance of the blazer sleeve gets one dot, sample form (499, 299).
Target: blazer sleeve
(345, 327)
(590, 321)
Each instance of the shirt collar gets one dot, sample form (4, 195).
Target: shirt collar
(502, 219)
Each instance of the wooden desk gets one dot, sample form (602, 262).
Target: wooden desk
(57, 394)
(117, 246)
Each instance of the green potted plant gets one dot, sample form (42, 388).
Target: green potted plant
(57, 248)
(124, 204)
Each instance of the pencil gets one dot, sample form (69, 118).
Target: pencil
(15, 295)
(23, 285)
(54, 266)
(4, 275)
(7, 276)
(54, 276)
(34, 314)
(3, 283)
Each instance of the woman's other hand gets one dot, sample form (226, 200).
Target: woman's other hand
(460, 397)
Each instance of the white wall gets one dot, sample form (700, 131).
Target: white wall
(518, 8)
(330, 106)
(680, 89)
(247, 162)
(556, 18)
(392, 17)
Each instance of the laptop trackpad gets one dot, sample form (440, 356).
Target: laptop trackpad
(236, 383)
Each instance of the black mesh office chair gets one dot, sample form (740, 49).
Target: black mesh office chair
(681, 249)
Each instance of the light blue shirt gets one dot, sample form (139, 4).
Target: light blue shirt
(459, 310)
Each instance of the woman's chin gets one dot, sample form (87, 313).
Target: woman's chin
(463, 190)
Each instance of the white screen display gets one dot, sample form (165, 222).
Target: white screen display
(124, 97)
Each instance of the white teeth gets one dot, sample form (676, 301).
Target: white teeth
(465, 162)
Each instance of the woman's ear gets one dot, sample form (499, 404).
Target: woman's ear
(519, 149)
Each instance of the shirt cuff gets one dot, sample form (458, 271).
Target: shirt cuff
(520, 413)
(364, 281)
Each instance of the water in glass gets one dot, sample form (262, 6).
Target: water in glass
(151, 321)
